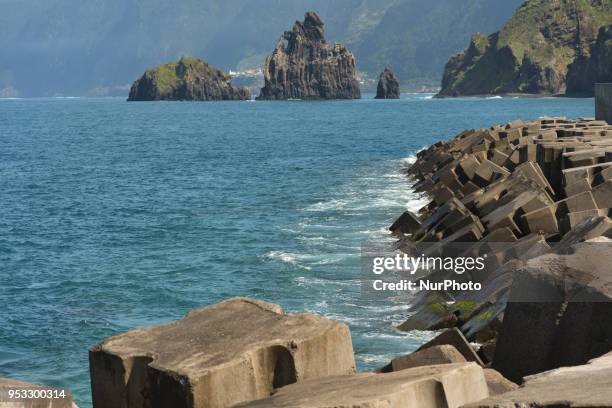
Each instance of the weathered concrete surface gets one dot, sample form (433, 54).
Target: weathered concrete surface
(444, 354)
(455, 338)
(588, 385)
(235, 351)
(7, 384)
(447, 385)
(407, 223)
(497, 383)
(526, 185)
(559, 312)
(603, 102)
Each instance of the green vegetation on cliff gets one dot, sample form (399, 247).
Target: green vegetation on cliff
(186, 79)
(170, 76)
(592, 68)
(105, 44)
(531, 53)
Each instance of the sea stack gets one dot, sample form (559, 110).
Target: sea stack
(189, 79)
(304, 66)
(388, 85)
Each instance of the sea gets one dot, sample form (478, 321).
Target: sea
(115, 215)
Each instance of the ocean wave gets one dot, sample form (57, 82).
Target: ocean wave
(286, 257)
(327, 205)
(494, 97)
(408, 160)
(313, 280)
(386, 309)
(375, 359)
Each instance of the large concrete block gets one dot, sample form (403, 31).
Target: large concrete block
(588, 385)
(447, 385)
(559, 312)
(235, 351)
(407, 223)
(444, 354)
(497, 384)
(527, 334)
(588, 229)
(602, 194)
(543, 220)
(488, 172)
(603, 102)
(455, 338)
(574, 219)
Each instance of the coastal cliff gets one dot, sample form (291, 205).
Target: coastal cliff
(531, 53)
(592, 68)
(304, 66)
(189, 79)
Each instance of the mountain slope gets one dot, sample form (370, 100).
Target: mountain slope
(531, 53)
(594, 67)
(71, 47)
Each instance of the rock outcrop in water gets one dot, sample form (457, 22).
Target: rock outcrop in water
(189, 79)
(388, 85)
(531, 53)
(304, 66)
(592, 68)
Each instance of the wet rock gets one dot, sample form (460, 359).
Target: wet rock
(588, 385)
(235, 351)
(449, 385)
(189, 79)
(304, 66)
(388, 85)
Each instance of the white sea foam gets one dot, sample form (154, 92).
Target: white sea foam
(386, 308)
(408, 160)
(313, 280)
(293, 259)
(494, 97)
(327, 205)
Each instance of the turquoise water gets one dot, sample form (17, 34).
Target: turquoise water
(115, 215)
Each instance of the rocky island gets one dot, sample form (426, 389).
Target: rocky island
(304, 66)
(188, 79)
(388, 85)
(531, 53)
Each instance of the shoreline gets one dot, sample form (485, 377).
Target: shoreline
(399, 179)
